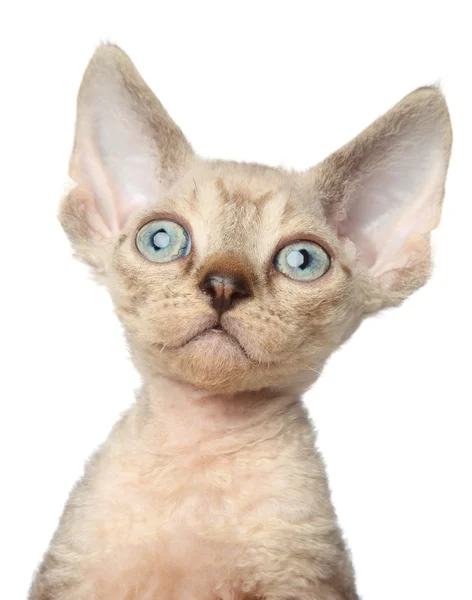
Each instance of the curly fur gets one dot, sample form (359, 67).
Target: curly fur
(210, 487)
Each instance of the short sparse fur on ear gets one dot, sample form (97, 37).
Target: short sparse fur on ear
(383, 191)
(127, 151)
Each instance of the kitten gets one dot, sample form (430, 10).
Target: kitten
(234, 283)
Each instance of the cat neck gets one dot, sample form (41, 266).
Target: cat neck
(185, 415)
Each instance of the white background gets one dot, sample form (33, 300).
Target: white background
(282, 83)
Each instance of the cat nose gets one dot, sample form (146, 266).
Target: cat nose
(225, 290)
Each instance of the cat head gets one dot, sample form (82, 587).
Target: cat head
(233, 276)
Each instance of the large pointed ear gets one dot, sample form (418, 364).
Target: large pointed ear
(383, 191)
(127, 150)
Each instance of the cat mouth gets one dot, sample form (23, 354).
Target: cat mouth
(218, 331)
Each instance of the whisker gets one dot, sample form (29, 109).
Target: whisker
(311, 369)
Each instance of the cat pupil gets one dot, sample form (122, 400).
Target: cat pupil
(306, 259)
(161, 239)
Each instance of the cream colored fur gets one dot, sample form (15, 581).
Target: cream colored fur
(210, 487)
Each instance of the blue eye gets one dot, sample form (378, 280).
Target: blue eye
(304, 261)
(163, 241)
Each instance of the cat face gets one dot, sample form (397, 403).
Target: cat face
(273, 326)
(236, 276)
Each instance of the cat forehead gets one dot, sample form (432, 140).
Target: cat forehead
(239, 183)
(252, 195)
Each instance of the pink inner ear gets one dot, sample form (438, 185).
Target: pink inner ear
(118, 163)
(86, 168)
(115, 152)
(395, 198)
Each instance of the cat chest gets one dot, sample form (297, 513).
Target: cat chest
(177, 528)
(207, 500)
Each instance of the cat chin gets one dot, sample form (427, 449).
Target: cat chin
(212, 361)
(216, 363)
(220, 366)
(217, 360)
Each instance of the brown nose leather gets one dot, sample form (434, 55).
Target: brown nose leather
(224, 290)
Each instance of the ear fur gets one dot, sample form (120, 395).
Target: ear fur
(383, 192)
(85, 228)
(127, 150)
